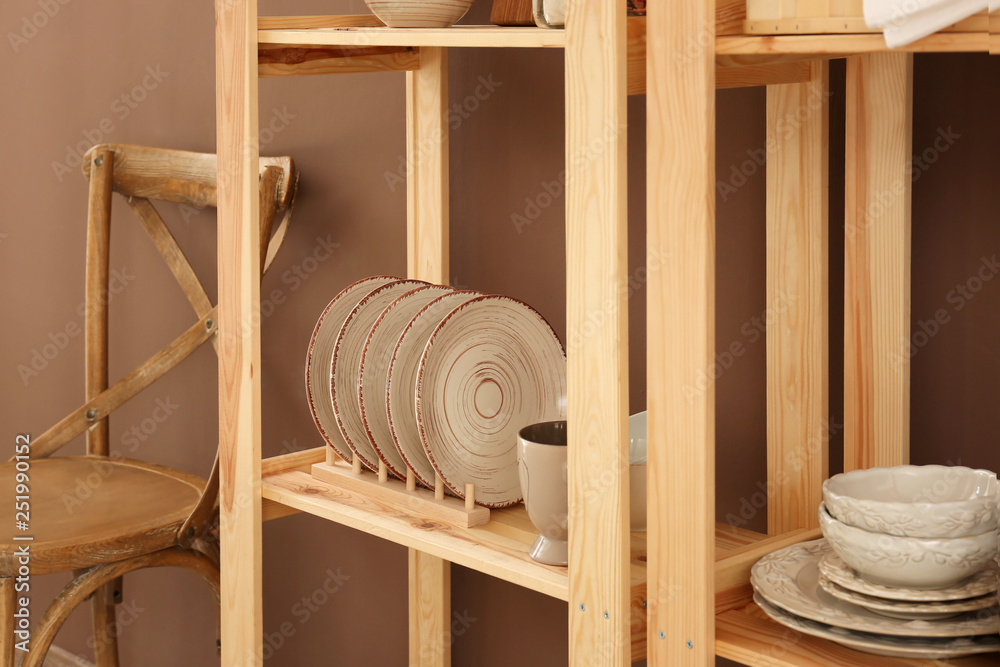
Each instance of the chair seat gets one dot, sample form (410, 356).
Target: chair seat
(88, 510)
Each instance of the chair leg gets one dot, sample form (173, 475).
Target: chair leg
(7, 608)
(103, 606)
(94, 578)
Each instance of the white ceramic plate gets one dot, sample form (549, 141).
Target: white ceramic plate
(895, 647)
(789, 579)
(492, 367)
(903, 609)
(346, 365)
(402, 382)
(320, 354)
(836, 570)
(375, 359)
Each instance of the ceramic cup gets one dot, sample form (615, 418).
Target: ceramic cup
(541, 467)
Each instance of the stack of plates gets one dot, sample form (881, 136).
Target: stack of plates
(808, 587)
(434, 380)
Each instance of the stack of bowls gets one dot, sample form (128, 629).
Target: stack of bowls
(916, 527)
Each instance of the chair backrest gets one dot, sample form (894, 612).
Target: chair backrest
(143, 175)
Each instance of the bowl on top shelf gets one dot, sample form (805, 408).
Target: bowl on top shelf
(908, 562)
(419, 13)
(915, 501)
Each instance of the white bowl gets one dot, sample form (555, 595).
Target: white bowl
(908, 562)
(915, 501)
(419, 13)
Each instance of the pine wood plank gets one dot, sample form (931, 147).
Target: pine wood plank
(877, 261)
(283, 60)
(427, 258)
(305, 22)
(597, 332)
(456, 36)
(729, 16)
(430, 610)
(486, 548)
(797, 300)
(418, 502)
(843, 45)
(427, 213)
(239, 348)
(730, 72)
(680, 233)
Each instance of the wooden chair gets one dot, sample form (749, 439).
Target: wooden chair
(138, 515)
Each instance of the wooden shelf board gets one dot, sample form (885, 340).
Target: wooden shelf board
(751, 638)
(456, 36)
(498, 548)
(846, 44)
(273, 30)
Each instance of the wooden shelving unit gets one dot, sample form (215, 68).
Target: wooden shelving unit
(680, 593)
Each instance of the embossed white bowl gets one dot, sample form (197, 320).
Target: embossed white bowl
(419, 13)
(915, 501)
(909, 562)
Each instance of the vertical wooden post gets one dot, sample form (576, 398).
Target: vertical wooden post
(680, 239)
(8, 606)
(427, 259)
(797, 301)
(877, 260)
(597, 333)
(239, 331)
(427, 167)
(96, 364)
(430, 610)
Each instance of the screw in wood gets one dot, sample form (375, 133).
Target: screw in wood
(581, 607)
(92, 413)
(99, 161)
(209, 324)
(607, 615)
(690, 644)
(663, 635)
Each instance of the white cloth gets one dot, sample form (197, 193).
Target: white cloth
(905, 21)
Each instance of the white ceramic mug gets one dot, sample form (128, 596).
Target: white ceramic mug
(541, 467)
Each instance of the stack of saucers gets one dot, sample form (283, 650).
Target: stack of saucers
(908, 566)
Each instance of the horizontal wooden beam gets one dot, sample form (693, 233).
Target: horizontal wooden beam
(762, 75)
(849, 44)
(305, 22)
(735, 72)
(305, 60)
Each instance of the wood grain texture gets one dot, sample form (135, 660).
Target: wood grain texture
(304, 22)
(512, 12)
(877, 261)
(680, 312)
(429, 610)
(455, 36)
(427, 213)
(79, 519)
(283, 60)
(597, 333)
(8, 606)
(181, 177)
(729, 16)
(239, 349)
(393, 493)
(498, 548)
(797, 300)
(845, 45)
(96, 314)
(730, 72)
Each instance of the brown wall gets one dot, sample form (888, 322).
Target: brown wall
(62, 88)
